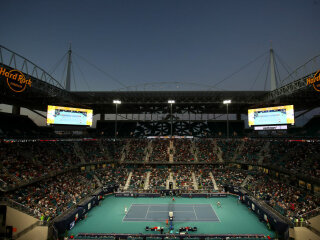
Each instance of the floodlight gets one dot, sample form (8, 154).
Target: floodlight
(116, 101)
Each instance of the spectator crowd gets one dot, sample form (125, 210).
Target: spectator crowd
(54, 181)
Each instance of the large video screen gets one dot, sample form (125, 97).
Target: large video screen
(69, 116)
(271, 115)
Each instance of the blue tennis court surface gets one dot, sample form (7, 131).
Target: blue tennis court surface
(181, 213)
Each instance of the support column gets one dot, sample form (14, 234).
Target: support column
(272, 71)
(102, 117)
(16, 110)
(238, 116)
(68, 78)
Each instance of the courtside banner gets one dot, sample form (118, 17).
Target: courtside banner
(137, 194)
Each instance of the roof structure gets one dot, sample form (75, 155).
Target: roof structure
(45, 90)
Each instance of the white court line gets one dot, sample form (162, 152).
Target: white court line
(127, 212)
(145, 217)
(141, 205)
(137, 204)
(215, 212)
(172, 211)
(195, 213)
(157, 220)
(180, 204)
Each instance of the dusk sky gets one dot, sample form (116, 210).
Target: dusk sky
(139, 42)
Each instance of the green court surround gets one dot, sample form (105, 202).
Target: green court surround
(235, 218)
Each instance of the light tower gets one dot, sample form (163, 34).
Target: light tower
(171, 102)
(227, 102)
(116, 102)
(273, 80)
(68, 78)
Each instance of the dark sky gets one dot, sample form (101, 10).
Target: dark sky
(162, 41)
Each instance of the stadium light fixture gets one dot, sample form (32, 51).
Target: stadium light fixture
(116, 102)
(171, 102)
(228, 101)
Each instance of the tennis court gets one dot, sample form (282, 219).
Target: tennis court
(181, 213)
(203, 213)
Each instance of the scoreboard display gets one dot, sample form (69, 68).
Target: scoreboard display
(69, 116)
(271, 116)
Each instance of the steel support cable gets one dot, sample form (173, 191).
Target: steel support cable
(260, 71)
(74, 77)
(265, 82)
(314, 66)
(82, 74)
(277, 71)
(102, 71)
(239, 70)
(57, 64)
(299, 68)
(283, 64)
(64, 70)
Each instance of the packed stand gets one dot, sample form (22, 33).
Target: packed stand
(158, 178)
(205, 150)
(109, 175)
(138, 178)
(203, 177)
(183, 148)
(182, 175)
(123, 174)
(114, 147)
(136, 152)
(277, 150)
(53, 196)
(228, 177)
(303, 158)
(287, 200)
(299, 157)
(159, 151)
(250, 151)
(23, 162)
(92, 151)
(228, 148)
(113, 174)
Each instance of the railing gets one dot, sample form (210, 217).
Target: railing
(124, 236)
(159, 190)
(28, 229)
(19, 206)
(311, 214)
(74, 206)
(271, 209)
(14, 60)
(31, 212)
(3, 185)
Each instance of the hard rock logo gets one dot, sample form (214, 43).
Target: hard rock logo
(15, 79)
(315, 81)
